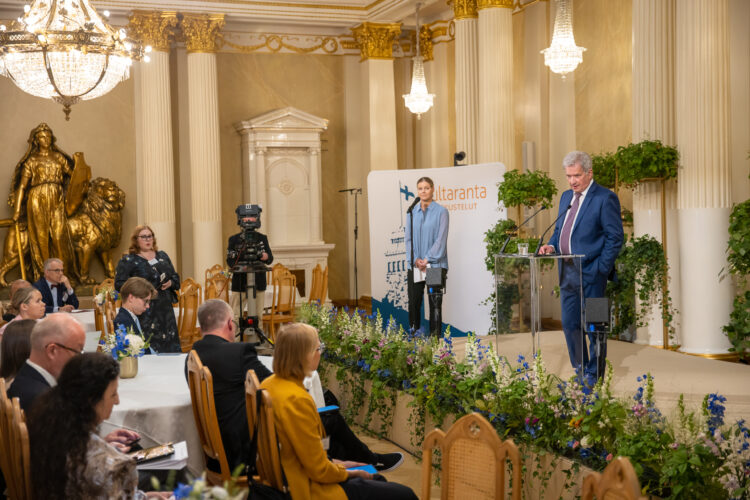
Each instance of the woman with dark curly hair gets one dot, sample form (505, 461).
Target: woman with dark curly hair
(145, 260)
(68, 458)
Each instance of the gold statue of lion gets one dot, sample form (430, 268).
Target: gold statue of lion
(96, 227)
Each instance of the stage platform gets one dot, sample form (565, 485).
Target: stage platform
(674, 373)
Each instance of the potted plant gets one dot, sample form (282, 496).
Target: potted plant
(125, 346)
(738, 260)
(645, 160)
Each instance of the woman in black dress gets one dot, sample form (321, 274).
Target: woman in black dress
(145, 260)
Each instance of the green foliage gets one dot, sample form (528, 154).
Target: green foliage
(605, 167)
(738, 260)
(645, 160)
(526, 189)
(494, 238)
(738, 329)
(642, 267)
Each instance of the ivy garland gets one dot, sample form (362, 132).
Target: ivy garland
(738, 260)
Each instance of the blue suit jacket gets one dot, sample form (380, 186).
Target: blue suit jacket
(124, 318)
(27, 385)
(43, 287)
(597, 233)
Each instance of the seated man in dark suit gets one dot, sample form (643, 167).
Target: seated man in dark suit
(54, 341)
(136, 296)
(229, 362)
(64, 298)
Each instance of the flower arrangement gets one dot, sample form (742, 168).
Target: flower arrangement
(695, 455)
(199, 489)
(124, 343)
(104, 295)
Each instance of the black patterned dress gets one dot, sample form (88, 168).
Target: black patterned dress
(158, 321)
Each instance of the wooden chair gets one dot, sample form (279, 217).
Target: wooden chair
(282, 307)
(206, 420)
(14, 447)
(473, 461)
(100, 312)
(319, 285)
(618, 482)
(217, 287)
(277, 270)
(213, 271)
(268, 461)
(189, 300)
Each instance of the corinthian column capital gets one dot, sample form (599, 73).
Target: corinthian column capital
(375, 40)
(202, 32)
(425, 42)
(488, 4)
(153, 28)
(463, 9)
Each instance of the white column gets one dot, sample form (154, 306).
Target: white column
(205, 160)
(702, 132)
(467, 84)
(653, 118)
(316, 206)
(496, 135)
(260, 181)
(156, 168)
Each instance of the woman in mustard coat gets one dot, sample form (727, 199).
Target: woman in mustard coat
(309, 473)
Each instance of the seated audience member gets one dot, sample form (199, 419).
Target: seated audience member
(15, 285)
(68, 458)
(309, 472)
(136, 296)
(28, 303)
(57, 293)
(15, 348)
(229, 362)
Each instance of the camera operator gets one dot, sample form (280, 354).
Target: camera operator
(248, 247)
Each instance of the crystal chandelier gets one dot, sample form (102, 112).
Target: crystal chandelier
(563, 56)
(63, 50)
(418, 100)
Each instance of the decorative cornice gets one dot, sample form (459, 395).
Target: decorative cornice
(463, 9)
(202, 32)
(153, 28)
(489, 4)
(375, 40)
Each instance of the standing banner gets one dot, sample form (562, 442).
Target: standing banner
(470, 195)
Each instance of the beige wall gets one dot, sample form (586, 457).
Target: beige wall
(103, 129)
(253, 84)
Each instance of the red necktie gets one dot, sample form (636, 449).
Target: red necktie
(568, 226)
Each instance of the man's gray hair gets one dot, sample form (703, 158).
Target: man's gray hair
(212, 313)
(50, 261)
(577, 157)
(54, 328)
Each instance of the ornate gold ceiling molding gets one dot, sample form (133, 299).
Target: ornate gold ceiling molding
(153, 28)
(202, 32)
(489, 4)
(463, 9)
(273, 43)
(375, 40)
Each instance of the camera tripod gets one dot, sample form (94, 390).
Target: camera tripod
(250, 320)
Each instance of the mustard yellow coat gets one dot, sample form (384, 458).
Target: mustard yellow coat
(309, 473)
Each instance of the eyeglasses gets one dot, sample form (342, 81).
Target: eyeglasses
(321, 348)
(146, 236)
(55, 270)
(74, 351)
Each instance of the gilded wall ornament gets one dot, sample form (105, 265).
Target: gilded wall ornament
(376, 39)
(463, 9)
(425, 43)
(153, 28)
(202, 32)
(488, 4)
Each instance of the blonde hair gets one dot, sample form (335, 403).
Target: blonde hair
(294, 344)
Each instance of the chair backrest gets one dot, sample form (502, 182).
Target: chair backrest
(204, 410)
(107, 284)
(217, 287)
(319, 285)
(284, 294)
(189, 300)
(14, 447)
(618, 482)
(21, 454)
(213, 271)
(268, 462)
(276, 270)
(473, 461)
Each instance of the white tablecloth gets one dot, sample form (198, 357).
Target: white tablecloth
(156, 404)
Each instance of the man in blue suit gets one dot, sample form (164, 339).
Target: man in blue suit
(64, 298)
(588, 224)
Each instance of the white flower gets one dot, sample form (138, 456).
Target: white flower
(135, 344)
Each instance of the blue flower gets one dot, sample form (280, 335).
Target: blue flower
(182, 490)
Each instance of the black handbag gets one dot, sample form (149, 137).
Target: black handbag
(435, 277)
(260, 491)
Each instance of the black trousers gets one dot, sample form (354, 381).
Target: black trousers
(434, 300)
(376, 488)
(344, 444)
